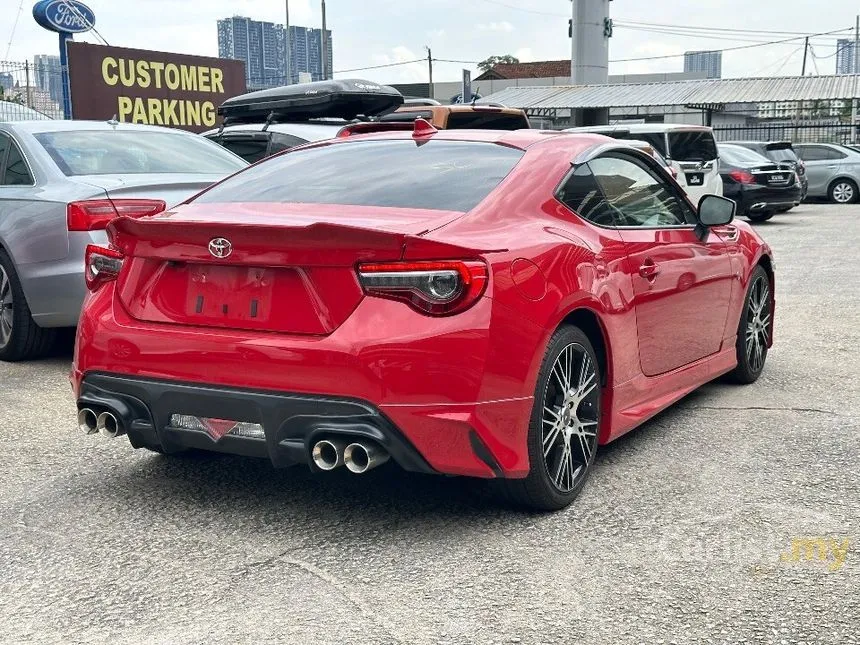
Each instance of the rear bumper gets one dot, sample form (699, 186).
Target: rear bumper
(292, 423)
(751, 198)
(440, 393)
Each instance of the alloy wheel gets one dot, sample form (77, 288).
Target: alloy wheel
(570, 417)
(6, 308)
(843, 193)
(758, 322)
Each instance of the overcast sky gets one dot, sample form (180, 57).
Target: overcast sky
(375, 32)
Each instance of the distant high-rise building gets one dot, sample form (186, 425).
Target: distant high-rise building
(710, 62)
(7, 81)
(48, 75)
(262, 46)
(845, 57)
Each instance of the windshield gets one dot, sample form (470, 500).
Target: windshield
(129, 152)
(440, 175)
(692, 145)
(738, 155)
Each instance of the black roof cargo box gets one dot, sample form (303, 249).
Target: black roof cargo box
(342, 99)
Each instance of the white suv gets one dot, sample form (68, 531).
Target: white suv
(690, 149)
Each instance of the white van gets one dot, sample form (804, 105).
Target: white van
(690, 149)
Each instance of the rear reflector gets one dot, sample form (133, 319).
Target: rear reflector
(101, 265)
(434, 288)
(96, 214)
(217, 428)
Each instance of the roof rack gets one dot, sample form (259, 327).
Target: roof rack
(342, 99)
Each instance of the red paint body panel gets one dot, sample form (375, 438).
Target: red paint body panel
(439, 379)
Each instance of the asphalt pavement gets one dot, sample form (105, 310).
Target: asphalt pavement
(733, 517)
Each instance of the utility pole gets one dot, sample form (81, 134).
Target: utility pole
(324, 46)
(430, 71)
(289, 53)
(805, 49)
(856, 78)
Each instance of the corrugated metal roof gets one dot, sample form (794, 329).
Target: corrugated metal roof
(695, 92)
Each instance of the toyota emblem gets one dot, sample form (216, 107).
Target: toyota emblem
(220, 247)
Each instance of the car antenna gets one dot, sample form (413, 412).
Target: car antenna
(113, 121)
(269, 121)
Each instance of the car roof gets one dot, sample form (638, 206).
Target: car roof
(60, 125)
(640, 127)
(521, 139)
(481, 109)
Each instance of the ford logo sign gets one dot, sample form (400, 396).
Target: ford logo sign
(64, 16)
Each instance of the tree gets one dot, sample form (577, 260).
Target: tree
(486, 65)
(11, 98)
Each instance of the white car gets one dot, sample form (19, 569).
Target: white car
(262, 123)
(690, 149)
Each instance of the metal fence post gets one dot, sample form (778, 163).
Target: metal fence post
(27, 84)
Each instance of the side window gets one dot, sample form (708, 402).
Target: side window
(637, 196)
(819, 153)
(17, 173)
(4, 147)
(833, 153)
(582, 195)
(280, 142)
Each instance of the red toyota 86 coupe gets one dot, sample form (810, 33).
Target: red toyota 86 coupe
(480, 303)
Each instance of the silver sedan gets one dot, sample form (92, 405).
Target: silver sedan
(833, 171)
(61, 182)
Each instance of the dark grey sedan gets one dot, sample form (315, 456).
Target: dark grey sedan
(61, 182)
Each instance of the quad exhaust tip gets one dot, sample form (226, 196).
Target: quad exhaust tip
(360, 457)
(328, 454)
(109, 425)
(87, 421)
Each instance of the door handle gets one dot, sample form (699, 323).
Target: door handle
(832, 167)
(649, 269)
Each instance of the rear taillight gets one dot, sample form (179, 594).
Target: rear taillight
(101, 265)
(742, 177)
(435, 288)
(96, 214)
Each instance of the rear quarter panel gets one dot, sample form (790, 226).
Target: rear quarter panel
(545, 264)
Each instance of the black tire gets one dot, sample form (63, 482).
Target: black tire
(539, 490)
(760, 217)
(751, 364)
(842, 191)
(20, 338)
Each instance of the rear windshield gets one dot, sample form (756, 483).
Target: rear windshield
(782, 154)
(656, 140)
(438, 175)
(486, 121)
(129, 152)
(692, 145)
(739, 156)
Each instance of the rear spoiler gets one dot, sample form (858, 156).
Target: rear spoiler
(779, 145)
(275, 244)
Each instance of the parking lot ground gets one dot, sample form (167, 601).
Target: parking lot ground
(733, 517)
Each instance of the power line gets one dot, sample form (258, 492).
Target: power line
(84, 19)
(725, 49)
(524, 10)
(622, 21)
(362, 69)
(14, 27)
(714, 36)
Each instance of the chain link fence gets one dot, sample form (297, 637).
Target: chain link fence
(31, 90)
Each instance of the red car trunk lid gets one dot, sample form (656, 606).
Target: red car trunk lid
(286, 267)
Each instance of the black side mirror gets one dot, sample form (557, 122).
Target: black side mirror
(714, 211)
